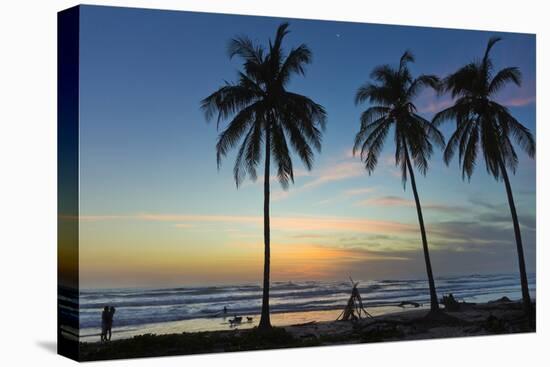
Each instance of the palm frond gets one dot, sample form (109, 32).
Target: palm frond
(510, 125)
(244, 47)
(462, 82)
(253, 153)
(282, 31)
(454, 142)
(366, 130)
(374, 113)
(240, 168)
(486, 60)
(295, 62)
(281, 156)
(469, 152)
(423, 81)
(235, 129)
(228, 100)
(431, 132)
(405, 59)
(372, 146)
(379, 94)
(504, 76)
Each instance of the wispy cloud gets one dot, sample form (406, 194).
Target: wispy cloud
(359, 191)
(336, 172)
(93, 218)
(482, 203)
(290, 223)
(519, 101)
(435, 105)
(386, 201)
(184, 225)
(282, 194)
(394, 201)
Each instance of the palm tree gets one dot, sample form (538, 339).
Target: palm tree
(260, 110)
(483, 125)
(391, 97)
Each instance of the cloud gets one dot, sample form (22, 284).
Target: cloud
(336, 172)
(273, 179)
(93, 218)
(480, 202)
(359, 191)
(184, 225)
(519, 101)
(476, 233)
(395, 201)
(290, 223)
(526, 221)
(198, 218)
(386, 201)
(311, 236)
(434, 105)
(281, 194)
(306, 261)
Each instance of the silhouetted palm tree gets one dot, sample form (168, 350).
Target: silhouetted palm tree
(485, 126)
(391, 97)
(262, 111)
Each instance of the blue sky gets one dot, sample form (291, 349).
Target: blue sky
(153, 199)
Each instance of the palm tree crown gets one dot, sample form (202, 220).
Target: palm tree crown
(482, 124)
(392, 97)
(259, 105)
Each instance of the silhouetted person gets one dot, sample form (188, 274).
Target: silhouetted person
(225, 310)
(104, 318)
(110, 322)
(107, 322)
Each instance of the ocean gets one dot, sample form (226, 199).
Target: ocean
(198, 308)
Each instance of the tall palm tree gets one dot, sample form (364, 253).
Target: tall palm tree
(483, 125)
(260, 110)
(391, 97)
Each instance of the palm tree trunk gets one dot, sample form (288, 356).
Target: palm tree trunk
(265, 322)
(434, 304)
(519, 244)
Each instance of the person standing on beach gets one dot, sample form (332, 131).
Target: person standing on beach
(107, 322)
(109, 325)
(104, 318)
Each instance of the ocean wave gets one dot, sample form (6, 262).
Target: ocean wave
(138, 307)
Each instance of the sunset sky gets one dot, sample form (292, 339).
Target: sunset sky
(155, 210)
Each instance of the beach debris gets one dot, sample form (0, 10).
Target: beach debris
(450, 303)
(501, 300)
(249, 319)
(409, 303)
(354, 309)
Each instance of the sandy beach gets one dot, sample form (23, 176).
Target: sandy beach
(281, 319)
(498, 317)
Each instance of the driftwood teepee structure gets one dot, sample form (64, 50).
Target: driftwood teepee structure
(354, 309)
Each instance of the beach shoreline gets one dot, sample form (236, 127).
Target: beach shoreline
(221, 323)
(497, 317)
